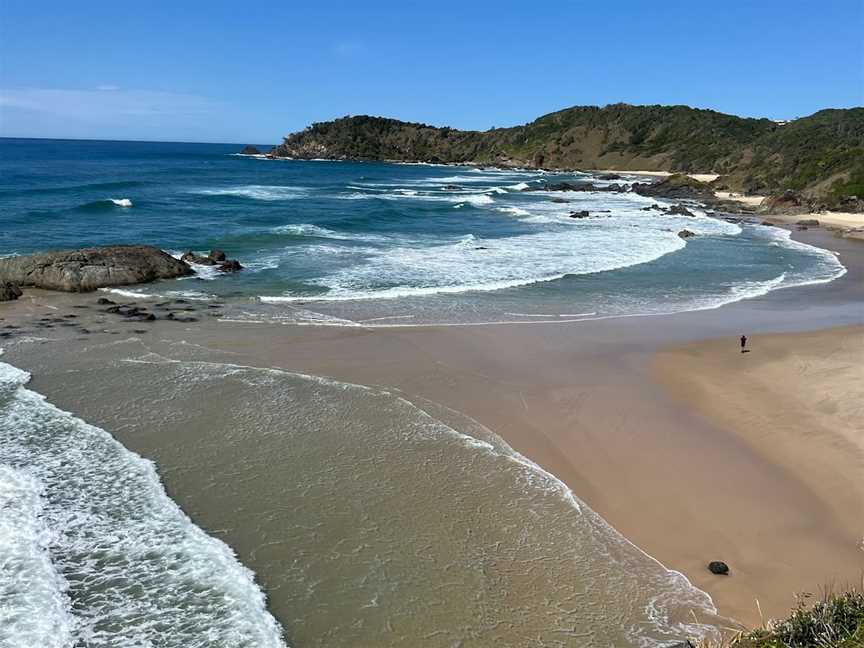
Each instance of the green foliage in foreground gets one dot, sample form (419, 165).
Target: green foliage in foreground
(836, 621)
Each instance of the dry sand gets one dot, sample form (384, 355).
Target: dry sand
(796, 400)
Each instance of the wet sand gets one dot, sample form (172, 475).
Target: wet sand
(625, 427)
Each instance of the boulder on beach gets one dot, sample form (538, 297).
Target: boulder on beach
(91, 268)
(718, 567)
(9, 291)
(809, 222)
(250, 150)
(685, 234)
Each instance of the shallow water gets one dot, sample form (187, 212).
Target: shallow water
(368, 519)
(96, 554)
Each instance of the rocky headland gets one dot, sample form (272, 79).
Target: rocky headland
(820, 157)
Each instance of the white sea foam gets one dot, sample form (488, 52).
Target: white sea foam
(514, 211)
(520, 186)
(257, 192)
(36, 610)
(121, 202)
(472, 264)
(85, 518)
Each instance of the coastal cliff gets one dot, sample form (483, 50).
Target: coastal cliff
(820, 156)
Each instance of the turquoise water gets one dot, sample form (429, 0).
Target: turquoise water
(392, 243)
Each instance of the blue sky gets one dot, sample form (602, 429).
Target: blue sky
(255, 71)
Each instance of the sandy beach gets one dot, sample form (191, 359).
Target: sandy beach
(693, 451)
(829, 218)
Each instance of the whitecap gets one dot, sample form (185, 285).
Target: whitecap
(257, 192)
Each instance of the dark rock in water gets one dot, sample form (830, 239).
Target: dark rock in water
(578, 186)
(91, 268)
(480, 247)
(808, 222)
(190, 257)
(680, 210)
(104, 301)
(609, 176)
(685, 234)
(250, 150)
(767, 223)
(718, 567)
(580, 214)
(559, 200)
(452, 187)
(232, 265)
(676, 186)
(9, 291)
(216, 255)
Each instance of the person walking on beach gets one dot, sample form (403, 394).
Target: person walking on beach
(743, 342)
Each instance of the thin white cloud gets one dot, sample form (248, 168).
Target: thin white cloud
(99, 105)
(107, 87)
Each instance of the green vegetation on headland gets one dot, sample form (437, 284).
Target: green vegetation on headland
(833, 621)
(820, 156)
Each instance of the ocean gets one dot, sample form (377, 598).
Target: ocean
(388, 244)
(319, 512)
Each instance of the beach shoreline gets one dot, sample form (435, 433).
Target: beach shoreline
(848, 222)
(659, 469)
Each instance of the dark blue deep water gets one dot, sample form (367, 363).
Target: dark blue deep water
(345, 241)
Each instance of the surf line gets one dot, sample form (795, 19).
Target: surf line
(540, 315)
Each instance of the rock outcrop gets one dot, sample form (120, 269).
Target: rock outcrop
(577, 186)
(214, 258)
(250, 150)
(676, 186)
(91, 268)
(231, 265)
(685, 234)
(9, 291)
(789, 203)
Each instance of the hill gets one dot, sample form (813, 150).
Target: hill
(821, 156)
